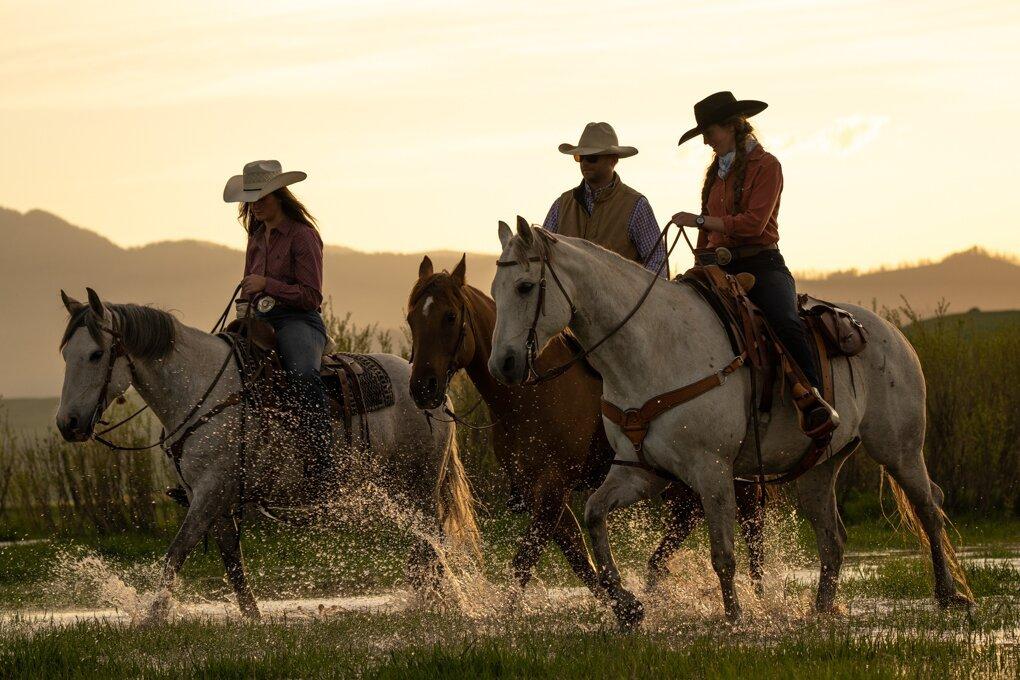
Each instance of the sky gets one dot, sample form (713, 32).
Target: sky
(421, 124)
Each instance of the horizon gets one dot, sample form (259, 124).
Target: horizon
(807, 274)
(421, 127)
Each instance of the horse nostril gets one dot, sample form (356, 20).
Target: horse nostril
(431, 385)
(72, 423)
(508, 364)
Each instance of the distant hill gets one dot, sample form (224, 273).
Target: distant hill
(42, 254)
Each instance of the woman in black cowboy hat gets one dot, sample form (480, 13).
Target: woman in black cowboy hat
(739, 230)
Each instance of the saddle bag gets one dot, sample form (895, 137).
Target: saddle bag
(843, 333)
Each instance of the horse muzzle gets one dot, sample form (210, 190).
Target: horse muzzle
(74, 429)
(427, 392)
(508, 367)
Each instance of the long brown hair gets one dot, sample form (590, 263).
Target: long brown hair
(742, 131)
(289, 204)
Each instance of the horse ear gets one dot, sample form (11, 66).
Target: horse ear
(524, 230)
(425, 268)
(458, 271)
(70, 303)
(505, 234)
(95, 303)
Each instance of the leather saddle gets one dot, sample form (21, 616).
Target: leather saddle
(356, 384)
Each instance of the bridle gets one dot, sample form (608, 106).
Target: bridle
(117, 350)
(531, 375)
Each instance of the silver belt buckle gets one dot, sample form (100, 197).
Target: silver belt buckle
(265, 304)
(723, 255)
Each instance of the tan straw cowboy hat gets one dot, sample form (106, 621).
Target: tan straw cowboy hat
(598, 139)
(260, 178)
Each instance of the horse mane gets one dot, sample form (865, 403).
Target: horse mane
(147, 333)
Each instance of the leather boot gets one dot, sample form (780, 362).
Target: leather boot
(316, 429)
(817, 418)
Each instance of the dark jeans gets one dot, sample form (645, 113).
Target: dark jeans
(775, 293)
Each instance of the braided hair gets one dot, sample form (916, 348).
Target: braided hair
(742, 131)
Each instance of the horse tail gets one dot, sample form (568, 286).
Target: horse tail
(909, 519)
(455, 504)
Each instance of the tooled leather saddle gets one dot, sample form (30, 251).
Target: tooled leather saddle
(356, 384)
(834, 330)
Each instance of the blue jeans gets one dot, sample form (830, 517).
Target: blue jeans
(775, 293)
(300, 339)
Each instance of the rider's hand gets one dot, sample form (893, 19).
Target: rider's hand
(252, 285)
(685, 219)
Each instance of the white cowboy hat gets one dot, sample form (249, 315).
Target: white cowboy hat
(598, 139)
(260, 178)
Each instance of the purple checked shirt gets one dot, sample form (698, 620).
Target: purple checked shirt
(643, 229)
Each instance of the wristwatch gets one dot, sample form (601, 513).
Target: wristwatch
(700, 221)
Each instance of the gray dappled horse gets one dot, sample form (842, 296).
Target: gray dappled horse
(675, 339)
(109, 347)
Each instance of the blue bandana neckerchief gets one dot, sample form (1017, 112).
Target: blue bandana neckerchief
(726, 162)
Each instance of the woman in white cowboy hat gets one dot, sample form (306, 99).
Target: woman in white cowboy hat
(283, 277)
(738, 227)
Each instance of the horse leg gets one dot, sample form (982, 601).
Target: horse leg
(206, 506)
(912, 476)
(228, 538)
(622, 487)
(751, 516)
(568, 537)
(545, 515)
(816, 492)
(424, 569)
(715, 485)
(685, 512)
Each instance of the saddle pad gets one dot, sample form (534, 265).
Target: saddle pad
(374, 381)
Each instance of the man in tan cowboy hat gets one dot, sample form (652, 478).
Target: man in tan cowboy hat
(603, 209)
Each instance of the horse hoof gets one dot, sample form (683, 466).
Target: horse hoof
(956, 601)
(734, 613)
(629, 611)
(655, 577)
(159, 611)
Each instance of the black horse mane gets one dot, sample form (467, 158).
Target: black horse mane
(147, 333)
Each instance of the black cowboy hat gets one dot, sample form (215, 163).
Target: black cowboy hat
(715, 108)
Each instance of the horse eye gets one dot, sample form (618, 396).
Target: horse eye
(449, 317)
(96, 356)
(524, 287)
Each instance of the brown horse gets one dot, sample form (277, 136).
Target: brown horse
(549, 439)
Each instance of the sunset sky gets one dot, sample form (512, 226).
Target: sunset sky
(420, 124)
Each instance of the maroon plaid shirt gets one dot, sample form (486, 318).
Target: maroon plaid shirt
(291, 263)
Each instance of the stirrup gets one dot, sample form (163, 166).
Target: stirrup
(811, 401)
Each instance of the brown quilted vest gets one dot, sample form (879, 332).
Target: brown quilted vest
(608, 223)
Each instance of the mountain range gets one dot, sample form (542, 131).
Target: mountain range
(43, 254)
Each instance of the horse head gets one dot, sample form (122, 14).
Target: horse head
(99, 345)
(441, 339)
(532, 305)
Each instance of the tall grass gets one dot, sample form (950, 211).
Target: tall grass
(51, 486)
(972, 444)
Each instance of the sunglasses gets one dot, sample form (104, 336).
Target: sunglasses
(587, 159)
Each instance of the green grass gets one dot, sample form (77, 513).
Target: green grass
(429, 644)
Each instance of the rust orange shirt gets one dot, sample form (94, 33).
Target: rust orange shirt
(756, 222)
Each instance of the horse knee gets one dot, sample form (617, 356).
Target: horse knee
(724, 563)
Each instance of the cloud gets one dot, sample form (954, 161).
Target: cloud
(843, 137)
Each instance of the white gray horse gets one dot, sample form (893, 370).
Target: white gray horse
(675, 339)
(109, 347)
